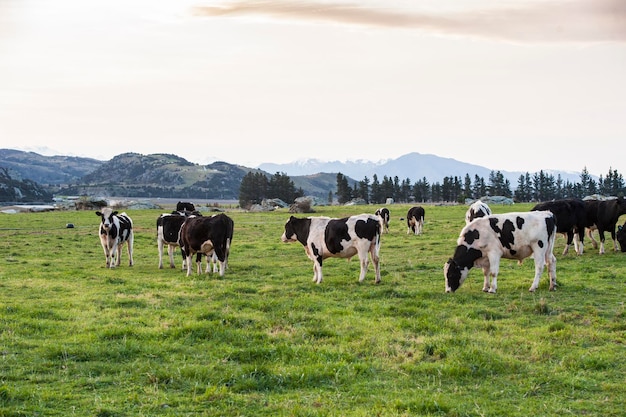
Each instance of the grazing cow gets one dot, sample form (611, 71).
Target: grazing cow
(185, 206)
(415, 220)
(604, 215)
(477, 209)
(168, 228)
(115, 230)
(621, 236)
(383, 213)
(325, 237)
(205, 235)
(570, 220)
(486, 240)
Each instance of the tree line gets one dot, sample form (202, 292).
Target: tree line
(540, 186)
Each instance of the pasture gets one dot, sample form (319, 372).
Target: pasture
(264, 340)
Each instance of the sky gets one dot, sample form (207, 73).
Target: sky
(514, 85)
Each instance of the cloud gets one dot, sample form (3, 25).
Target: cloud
(577, 21)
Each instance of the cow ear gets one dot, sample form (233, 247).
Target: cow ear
(114, 213)
(98, 213)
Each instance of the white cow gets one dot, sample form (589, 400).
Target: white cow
(486, 240)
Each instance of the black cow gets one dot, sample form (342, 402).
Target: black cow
(415, 220)
(324, 237)
(621, 236)
(604, 215)
(115, 230)
(570, 220)
(185, 206)
(383, 213)
(205, 235)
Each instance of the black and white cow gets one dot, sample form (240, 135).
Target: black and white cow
(182, 206)
(621, 237)
(603, 215)
(212, 259)
(204, 236)
(168, 229)
(477, 209)
(383, 213)
(486, 240)
(115, 230)
(415, 220)
(325, 237)
(570, 220)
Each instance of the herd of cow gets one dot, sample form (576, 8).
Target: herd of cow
(483, 241)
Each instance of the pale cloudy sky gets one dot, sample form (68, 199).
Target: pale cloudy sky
(511, 84)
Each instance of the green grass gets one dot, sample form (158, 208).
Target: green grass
(79, 339)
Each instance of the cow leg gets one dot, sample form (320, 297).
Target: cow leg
(364, 261)
(198, 263)
(170, 252)
(540, 263)
(594, 243)
(601, 233)
(317, 271)
(160, 247)
(551, 261)
(188, 262)
(494, 268)
(129, 248)
(570, 237)
(376, 262)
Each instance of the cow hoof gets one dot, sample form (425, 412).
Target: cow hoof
(491, 291)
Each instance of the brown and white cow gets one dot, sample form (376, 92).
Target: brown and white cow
(205, 235)
(115, 230)
(415, 220)
(383, 213)
(477, 209)
(325, 237)
(517, 235)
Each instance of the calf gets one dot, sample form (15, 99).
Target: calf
(205, 236)
(415, 220)
(621, 236)
(603, 215)
(383, 213)
(477, 209)
(570, 220)
(486, 240)
(115, 230)
(324, 237)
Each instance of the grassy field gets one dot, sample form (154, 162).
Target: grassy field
(264, 340)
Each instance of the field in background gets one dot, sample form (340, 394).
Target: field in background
(79, 339)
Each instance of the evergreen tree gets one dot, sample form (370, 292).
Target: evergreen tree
(344, 193)
(252, 189)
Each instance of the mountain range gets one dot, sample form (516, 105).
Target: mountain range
(167, 175)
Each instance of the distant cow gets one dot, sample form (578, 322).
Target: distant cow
(383, 213)
(603, 215)
(324, 237)
(621, 236)
(204, 235)
(477, 209)
(168, 228)
(185, 206)
(415, 220)
(486, 240)
(115, 230)
(570, 220)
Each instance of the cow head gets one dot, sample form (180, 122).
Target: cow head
(621, 236)
(457, 268)
(106, 218)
